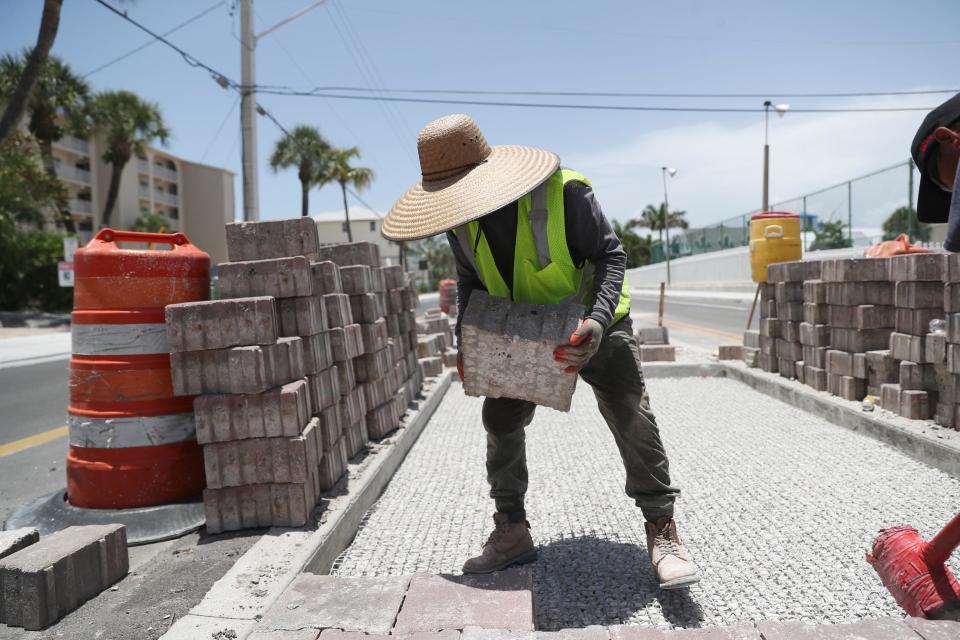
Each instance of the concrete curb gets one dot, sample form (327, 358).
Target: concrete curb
(682, 370)
(908, 436)
(257, 579)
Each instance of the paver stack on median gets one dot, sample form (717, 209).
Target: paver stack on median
(948, 360)
(918, 299)
(787, 279)
(294, 367)
(814, 330)
(435, 348)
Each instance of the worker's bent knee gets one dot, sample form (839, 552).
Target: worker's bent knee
(504, 415)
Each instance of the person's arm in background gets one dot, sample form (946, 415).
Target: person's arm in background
(592, 239)
(467, 280)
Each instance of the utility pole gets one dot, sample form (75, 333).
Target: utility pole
(666, 215)
(248, 112)
(766, 157)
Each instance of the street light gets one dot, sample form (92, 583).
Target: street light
(666, 214)
(780, 109)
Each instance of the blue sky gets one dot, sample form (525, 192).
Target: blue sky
(693, 46)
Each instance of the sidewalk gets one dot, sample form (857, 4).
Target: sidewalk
(695, 294)
(21, 351)
(778, 523)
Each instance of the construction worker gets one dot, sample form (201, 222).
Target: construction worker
(936, 151)
(524, 228)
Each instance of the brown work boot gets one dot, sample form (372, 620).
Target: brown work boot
(670, 560)
(508, 545)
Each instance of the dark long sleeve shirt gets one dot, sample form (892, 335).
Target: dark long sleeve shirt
(590, 238)
(952, 241)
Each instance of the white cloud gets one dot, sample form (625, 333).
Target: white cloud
(720, 165)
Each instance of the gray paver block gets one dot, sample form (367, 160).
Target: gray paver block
(317, 353)
(333, 464)
(356, 279)
(917, 266)
(393, 277)
(237, 370)
(814, 291)
(346, 377)
(47, 580)
(790, 311)
(857, 293)
(936, 348)
(326, 278)
(917, 321)
(301, 316)
(502, 600)
(657, 353)
(740, 631)
(259, 505)
(634, 632)
(367, 307)
(864, 316)
(890, 397)
(594, 632)
(770, 327)
(877, 629)
(816, 313)
(336, 634)
(367, 605)
(815, 356)
(789, 292)
(346, 254)
(324, 389)
(918, 295)
(220, 324)
(508, 349)
(857, 341)
(261, 460)
(338, 309)
(281, 411)
(17, 539)
(934, 629)
(857, 270)
(789, 350)
(751, 339)
(839, 362)
(951, 297)
(374, 336)
(786, 271)
(906, 347)
(371, 366)
(653, 335)
(431, 367)
(346, 343)
(272, 239)
(277, 277)
(814, 335)
(881, 367)
(919, 377)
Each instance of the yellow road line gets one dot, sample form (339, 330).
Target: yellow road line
(694, 327)
(31, 441)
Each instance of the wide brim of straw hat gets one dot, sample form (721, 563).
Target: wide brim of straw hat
(508, 173)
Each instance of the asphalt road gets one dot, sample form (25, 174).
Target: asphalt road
(704, 323)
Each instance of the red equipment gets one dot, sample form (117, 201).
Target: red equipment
(914, 572)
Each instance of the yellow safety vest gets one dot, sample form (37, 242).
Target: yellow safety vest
(543, 271)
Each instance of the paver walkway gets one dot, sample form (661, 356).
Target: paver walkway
(778, 510)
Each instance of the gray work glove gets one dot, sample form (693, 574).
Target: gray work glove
(583, 344)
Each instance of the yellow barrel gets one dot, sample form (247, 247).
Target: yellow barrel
(774, 237)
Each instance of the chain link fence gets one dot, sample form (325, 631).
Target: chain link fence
(855, 213)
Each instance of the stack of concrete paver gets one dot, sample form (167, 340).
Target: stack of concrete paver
(294, 368)
(435, 345)
(814, 330)
(918, 299)
(45, 579)
(787, 279)
(943, 348)
(766, 359)
(379, 347)
(508, 349)
(860, 315)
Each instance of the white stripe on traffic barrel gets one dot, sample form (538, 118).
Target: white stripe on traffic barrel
(135, 431)
(119, 339)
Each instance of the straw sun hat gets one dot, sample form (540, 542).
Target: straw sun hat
(463, 178)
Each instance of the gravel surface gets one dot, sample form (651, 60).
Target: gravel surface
(778, 509)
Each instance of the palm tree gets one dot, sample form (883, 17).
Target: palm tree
(342, 172)
(22, 89)
(57, 105)
(308, 151)
(128, 125)
(659, 219)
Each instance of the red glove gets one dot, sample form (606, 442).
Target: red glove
(460, 365)
(584, 343)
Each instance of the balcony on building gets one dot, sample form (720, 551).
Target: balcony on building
(78, 205)
(73, 144)
(143, 166)
(71, 172)
(165, 197)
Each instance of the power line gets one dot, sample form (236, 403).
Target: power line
(150, 42)
(222, 79)
(363, 202)
(220, 128)
(623, 94)
(594, 107)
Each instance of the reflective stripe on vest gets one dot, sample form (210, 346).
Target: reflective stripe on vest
(544, 271)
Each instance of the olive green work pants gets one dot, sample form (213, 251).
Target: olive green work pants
(616, 377)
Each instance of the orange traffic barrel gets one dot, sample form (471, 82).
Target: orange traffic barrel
(448, 295)
(132, 442)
